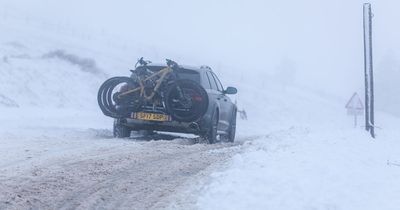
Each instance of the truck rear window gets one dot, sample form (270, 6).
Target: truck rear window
(182, 73)
(189, 74)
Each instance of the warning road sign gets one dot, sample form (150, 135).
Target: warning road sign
(355, 105)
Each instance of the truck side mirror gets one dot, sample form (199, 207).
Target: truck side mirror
(230, 91)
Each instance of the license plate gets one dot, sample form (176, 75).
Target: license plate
(151, 116)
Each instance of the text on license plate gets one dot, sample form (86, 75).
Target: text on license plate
(151, 116)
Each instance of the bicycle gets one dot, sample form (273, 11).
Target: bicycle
(184, 100)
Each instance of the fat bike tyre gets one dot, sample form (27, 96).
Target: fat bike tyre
(110, 105)
(186, 101)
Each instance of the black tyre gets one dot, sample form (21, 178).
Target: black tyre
(118, 107)
(120, 130)
(186, 101)
(232, 128)
(211, 135)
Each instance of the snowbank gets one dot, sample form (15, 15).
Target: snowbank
(316, 160)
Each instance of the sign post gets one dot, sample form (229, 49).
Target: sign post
(355, 107)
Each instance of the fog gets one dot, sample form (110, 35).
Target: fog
(320, 41)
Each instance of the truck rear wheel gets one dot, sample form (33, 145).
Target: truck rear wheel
(120, 130)
(211, 135)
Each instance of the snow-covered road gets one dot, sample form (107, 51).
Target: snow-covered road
(86, 169)
(297, 150)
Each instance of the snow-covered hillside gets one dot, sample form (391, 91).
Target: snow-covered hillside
(297, 150)
(44, 65)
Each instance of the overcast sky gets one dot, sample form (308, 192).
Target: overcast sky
(323, 39)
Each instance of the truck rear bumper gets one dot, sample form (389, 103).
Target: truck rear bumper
(170, 126)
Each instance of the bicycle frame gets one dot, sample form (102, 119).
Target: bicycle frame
(162, 73)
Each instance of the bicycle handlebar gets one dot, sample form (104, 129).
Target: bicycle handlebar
(142, 62)
(171, 63)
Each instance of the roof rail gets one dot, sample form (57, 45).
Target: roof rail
(205, 67)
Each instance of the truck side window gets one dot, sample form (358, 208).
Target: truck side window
(212, 81)
(206, 82)
(219, 84)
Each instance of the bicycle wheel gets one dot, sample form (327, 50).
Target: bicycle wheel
(118, 107)
(186, 101)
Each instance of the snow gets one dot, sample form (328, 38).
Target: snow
(297, 171)
(319, 163)
(297, 150)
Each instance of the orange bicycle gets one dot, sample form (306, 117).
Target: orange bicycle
(184, 100)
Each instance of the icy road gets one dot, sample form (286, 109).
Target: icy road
(69, 168)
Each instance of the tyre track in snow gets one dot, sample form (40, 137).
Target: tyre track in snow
(134, 175)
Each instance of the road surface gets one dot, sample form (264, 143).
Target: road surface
(77, 170)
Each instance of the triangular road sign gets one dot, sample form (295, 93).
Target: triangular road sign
(355, 106)
(355, 103)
